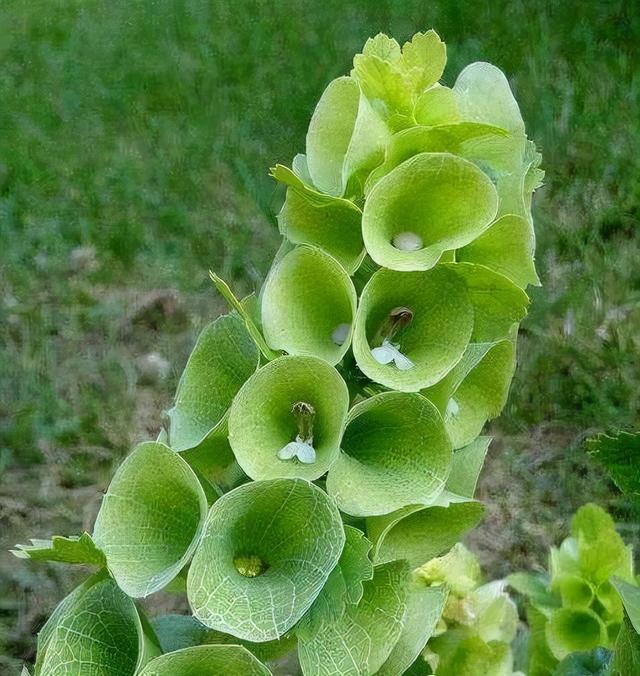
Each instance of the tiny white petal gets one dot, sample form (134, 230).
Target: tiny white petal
(408, 241)
(402, 362)
(304, 452)
(289, 451)
(452, 408)
(341, 333)
(383, 354)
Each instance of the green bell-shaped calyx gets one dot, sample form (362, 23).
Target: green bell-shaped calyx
(418, 534)
(288, 419)
(95, 630)
(345, 140)
(207, 660)
(267, 551)
(412, 328)
(395, 452)
(309, 217)
(309, 305)
(475, 390)
(151, 519)
(361, 640)
(432, 203)
(221, 361)
(574, 630)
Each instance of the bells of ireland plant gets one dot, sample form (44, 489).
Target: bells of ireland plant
(326, 436)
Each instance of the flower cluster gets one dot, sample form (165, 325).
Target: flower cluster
(325, 437)
(578, 605)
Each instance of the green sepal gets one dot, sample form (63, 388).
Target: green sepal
(261, 421)
(266, 553)
(210, 660)
(418, 534)
(306, 298)
(362, 639)
(81, 550)
(443, 200)
(223, 358)
(435, 339)
(394, 452)
(151, 519)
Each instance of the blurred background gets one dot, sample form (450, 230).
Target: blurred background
(135, 141)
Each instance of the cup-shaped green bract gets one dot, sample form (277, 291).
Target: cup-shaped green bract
(432, 203)
(267, 551)
(151, 519)
(221, 361)
(574, 590)
(346, 139)
(441, 321)
(507, 247)
(418, 534)
(309, 305)
(97, 631)
(475, 390)
(334, 226)
(395, 452)
(264, 418)
(360, 641)
(574, 629)
(207, 660)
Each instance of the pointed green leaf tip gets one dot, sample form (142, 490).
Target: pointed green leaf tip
(209, 660)
(151, 519)
(362, 639)
(292, 530)
(222, 360)
(442, 200)
(434, 337)
(265, 417)
(306, 298)
(395, 452)
(80, 550)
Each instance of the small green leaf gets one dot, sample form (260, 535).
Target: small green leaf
(64, 549)
(619, 454)
(508, 247)
(151, 519)
(630, 595)
(263, 419)
(593, 663)
(466, 464)
(243, 312)
(395, 452)
(267, 551)
(424, 609)
(210, 660)
(442, 200)
(363, 638)
(418, 534)
(221, 361)
(346, 138)
(307, 298)
(536, 588)
(435, 338)
(498, 303)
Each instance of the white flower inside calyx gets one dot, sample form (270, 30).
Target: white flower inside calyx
(407, 241)
(341, 333)
(301, 448)
(388, 351)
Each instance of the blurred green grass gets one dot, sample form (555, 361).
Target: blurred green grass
(135, 139)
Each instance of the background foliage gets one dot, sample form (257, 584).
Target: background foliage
(135, 140)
